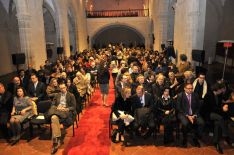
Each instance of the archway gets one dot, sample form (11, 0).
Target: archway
(9, 35)
(50, 32)
(126, 35)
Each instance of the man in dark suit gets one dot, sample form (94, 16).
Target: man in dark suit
(36, 89)
(188, 106)
(11, 87)
(142, 108)
(62, 111)
(24, 79)
(6, 104)
(218, 113)
(30, 71)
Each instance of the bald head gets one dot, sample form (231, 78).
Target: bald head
(2, 88)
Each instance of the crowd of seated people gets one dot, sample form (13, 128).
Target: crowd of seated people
(163, 93)
(68, 83)
(150, 90)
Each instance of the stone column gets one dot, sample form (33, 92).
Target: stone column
(24, 18)
(162, 15)
(82, 26)
(63, 30)
(189, 26)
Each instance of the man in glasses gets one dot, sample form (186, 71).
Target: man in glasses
(188, 106)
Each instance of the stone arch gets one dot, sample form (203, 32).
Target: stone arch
(107, 27)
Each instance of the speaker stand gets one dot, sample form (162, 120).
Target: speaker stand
(17, 68)
(225, 62)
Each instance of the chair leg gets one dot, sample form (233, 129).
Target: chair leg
(110, 127)
(76, 123)
(50, 130)
(73, 130)
(31, 130)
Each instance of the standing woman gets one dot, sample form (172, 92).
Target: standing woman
(22, 109)
(103, 77)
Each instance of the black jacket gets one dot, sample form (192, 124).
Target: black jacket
(39, 92)
(103, 77)
(122, 105)
(136, 102)
(6, 102)
(213, 104)
(183, 104)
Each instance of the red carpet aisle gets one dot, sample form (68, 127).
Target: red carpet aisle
(91, 137)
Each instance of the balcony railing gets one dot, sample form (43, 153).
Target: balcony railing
(118, 13)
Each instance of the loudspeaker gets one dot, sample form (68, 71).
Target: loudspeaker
(59, 50)
(71, 48)
(200, 70)
(198, 55)
(88, 39)
(49, 53)
(163, 46)
(18, 58)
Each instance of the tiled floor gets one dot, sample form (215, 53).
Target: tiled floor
(43, 146)
(37, 146)
(152, 146)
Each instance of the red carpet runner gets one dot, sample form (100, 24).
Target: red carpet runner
(91, 137)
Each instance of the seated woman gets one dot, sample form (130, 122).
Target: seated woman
(166, 108)
(121, 112)
(52, 89)
(22, 109)
(72, 89)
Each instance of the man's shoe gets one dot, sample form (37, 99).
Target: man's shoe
(228, 141)
(14, 142)
(196, 142)
(147, 135)
(218, 148)
(184, 143)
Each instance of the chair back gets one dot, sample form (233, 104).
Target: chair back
(43, 106)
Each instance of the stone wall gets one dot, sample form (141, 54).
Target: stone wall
(140, 24)
(219, 26)
(9, 39)
(115, 4)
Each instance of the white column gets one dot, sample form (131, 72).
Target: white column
(38, 42)
(63, 29)
(82, 26)
(24, 17)
(189, 26)
(163, 18)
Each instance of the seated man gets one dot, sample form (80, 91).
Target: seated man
(36, 89)
(12, 86)
(142, 106)
(218, 113)
(188, 106)
(62, 111)
(6, 104)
